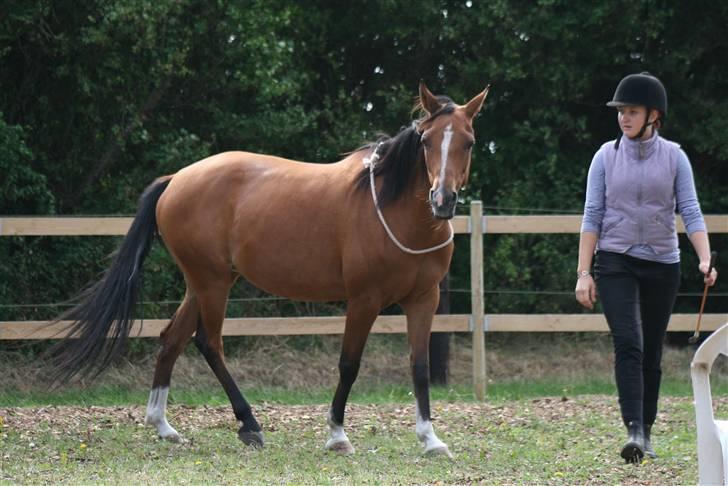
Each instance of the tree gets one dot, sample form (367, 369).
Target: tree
(98, 98)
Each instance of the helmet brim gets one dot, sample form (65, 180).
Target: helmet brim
(617, 104)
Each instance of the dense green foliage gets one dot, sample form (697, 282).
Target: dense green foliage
(98, 98)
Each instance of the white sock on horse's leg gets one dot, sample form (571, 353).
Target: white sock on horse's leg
(157, 414)
(426, 435)
(338, 442)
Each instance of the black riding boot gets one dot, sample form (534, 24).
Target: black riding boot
(649, 451)
(634, 448)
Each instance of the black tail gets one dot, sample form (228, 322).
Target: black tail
(102, 318)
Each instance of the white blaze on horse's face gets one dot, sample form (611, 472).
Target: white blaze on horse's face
(444, 149)
(447, 140)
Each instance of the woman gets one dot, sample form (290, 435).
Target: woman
(634, 185)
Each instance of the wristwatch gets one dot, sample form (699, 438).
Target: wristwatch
(582, 273)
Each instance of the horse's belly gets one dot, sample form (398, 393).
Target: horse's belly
(296, 271)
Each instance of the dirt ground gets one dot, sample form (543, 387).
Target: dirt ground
(552, 409)
(534, 428)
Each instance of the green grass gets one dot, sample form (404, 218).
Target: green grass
(541, 440)
(551, 416)
(509, 390)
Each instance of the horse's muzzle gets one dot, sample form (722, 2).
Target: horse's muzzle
(443, 203)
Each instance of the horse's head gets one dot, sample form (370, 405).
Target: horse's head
(447, 140)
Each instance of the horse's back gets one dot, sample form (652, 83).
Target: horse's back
(275, 221)
(227, 181)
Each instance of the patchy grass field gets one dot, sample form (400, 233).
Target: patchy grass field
(552, 418)
(538, 441)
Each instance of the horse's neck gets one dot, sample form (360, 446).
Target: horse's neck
(410, 216)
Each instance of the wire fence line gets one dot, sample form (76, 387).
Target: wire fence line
(283, 299)
(542, 211)
(110, 225)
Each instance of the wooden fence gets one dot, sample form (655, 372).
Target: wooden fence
(478, 322)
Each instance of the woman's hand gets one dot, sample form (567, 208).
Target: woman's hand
(586, 291)
(708, 279)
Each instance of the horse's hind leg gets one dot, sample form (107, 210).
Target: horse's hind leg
(208, 340)
(174, 338)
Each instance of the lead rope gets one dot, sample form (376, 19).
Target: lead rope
(371, 162)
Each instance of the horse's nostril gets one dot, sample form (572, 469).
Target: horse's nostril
(440, 198)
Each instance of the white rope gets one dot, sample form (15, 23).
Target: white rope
(371, 162)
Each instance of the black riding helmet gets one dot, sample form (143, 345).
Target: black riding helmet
(641, 89)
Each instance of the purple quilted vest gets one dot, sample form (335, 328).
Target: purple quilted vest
(640, 195)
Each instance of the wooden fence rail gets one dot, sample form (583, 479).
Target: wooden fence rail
(478, 323)
(117, 226)
(282, 326)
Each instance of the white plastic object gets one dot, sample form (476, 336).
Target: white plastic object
(712, 433)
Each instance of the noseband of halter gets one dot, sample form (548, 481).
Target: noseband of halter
(371, 162)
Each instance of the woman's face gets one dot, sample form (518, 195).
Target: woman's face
(631, 118)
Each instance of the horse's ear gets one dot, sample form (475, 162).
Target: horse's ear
(428, 100)
(473, 106)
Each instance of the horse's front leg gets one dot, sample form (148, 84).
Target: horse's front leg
(420, 311)
(360, 315)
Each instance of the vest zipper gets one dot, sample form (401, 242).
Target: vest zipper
(640, 222)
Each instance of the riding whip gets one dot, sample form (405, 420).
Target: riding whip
(694, 338)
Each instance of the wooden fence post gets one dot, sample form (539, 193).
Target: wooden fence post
(477, 317)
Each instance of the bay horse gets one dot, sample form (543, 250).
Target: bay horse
(305, 231)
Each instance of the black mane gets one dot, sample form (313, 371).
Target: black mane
(398, 162)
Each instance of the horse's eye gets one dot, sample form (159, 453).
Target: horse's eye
(469, 145)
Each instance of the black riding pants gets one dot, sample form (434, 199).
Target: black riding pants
(637, 297)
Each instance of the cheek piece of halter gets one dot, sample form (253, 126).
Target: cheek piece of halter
(371, 162)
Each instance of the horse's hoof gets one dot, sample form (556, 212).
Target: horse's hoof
(342, 447)
(251, 438)
(175, 438)
(439, 451)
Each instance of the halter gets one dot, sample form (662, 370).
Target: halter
(371, 163)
